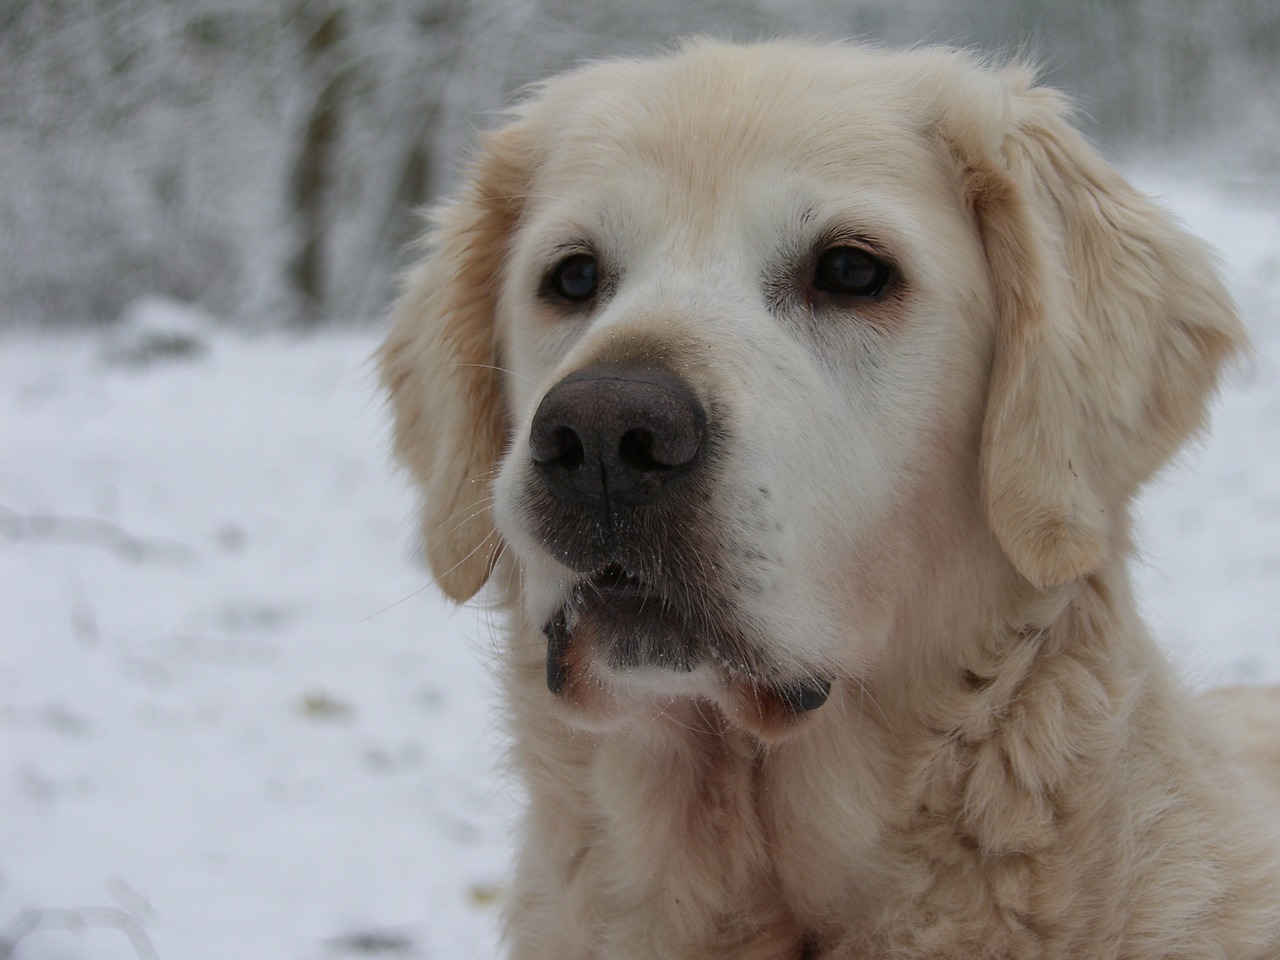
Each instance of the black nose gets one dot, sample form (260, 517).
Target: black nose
(612, 436)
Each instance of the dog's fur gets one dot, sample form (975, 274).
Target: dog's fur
(920, 497)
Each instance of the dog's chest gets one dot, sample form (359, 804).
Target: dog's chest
(701, 822)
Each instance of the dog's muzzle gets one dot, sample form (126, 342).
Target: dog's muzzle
(622, 459)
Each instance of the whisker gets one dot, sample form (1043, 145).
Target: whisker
(470, 553)
(391, 606)
(499, 369)
(479, 507)
(865, 694)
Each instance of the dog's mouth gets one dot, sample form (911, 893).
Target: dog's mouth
(628, 622)
(617, 622)
(615, 583)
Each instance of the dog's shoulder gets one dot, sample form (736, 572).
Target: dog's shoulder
(1251, 717)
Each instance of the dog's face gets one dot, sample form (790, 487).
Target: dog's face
(727, 361)
(751, 342)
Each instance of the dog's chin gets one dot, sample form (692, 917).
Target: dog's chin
(619, 650)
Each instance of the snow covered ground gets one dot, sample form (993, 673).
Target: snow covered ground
(237, 722)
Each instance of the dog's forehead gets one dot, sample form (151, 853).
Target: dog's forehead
(697, 118)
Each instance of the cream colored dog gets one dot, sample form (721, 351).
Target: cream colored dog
(793, 398)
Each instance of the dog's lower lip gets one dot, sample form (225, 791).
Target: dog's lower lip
(807, 695)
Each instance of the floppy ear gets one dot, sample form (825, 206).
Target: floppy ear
(439, 366)
(1113, 325)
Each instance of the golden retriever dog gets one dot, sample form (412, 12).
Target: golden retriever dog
(792, 399)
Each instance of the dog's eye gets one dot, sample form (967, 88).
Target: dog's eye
(575, 278)
(850, 272)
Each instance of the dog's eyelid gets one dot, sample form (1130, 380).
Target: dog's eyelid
(556, 254)
(856, 240)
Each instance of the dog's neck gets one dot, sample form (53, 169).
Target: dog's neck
(978, 773)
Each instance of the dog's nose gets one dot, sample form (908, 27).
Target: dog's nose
(612, 435)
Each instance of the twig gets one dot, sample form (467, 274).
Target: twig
(76, 921)
(89, 531)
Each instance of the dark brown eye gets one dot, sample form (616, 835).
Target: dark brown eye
(850, 272)
(575, 278)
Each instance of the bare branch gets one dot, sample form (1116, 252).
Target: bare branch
(89, 531)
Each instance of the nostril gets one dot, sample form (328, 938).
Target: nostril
(560, 446)
(635, 450)
(670, 437)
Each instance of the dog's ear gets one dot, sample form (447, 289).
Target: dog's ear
(1112, 327)
(439, 365)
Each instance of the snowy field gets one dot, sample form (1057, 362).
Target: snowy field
(237, 722)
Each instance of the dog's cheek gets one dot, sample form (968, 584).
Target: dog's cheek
(542, 581)
(850, 583)
(860, 586)
(789, 502)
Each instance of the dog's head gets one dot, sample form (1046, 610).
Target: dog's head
(743, 356)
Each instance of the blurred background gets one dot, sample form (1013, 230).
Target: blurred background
(236, 718)
(263, 159)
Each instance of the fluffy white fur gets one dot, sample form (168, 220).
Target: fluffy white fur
(929, 496)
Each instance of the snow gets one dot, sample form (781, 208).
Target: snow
(1210, 524)
(238, 721)
(231, 706)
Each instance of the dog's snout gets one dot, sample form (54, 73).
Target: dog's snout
(615, 435)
